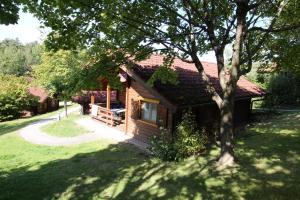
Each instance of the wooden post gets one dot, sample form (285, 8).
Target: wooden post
(108, 96)
(92, 99)
(126, 107)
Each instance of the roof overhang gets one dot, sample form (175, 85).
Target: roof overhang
(150, 89)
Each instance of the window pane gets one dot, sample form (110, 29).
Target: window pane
(153, 113)
(149, 111)
(145, 111)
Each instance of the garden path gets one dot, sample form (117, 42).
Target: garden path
(97, 131)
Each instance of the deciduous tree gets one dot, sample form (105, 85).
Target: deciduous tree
(60, 74)
(183, 28)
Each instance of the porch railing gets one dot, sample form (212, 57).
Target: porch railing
(105, 116)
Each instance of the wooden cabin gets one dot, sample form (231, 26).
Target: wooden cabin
(45, 103)
(147, 108)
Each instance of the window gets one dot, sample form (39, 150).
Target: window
(148, 111)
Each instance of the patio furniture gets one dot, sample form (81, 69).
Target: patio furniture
(118, 113)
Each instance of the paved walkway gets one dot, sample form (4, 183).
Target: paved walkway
(109, 133)
(97, 131)
(33, 134)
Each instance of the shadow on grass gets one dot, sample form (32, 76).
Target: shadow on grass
(269, 169)
(119, 172)
(269, 155)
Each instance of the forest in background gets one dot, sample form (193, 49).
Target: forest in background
(17, 58)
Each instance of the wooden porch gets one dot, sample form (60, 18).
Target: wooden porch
(110, 111)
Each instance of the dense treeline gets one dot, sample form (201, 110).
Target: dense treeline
(16, 62)
(18, 59)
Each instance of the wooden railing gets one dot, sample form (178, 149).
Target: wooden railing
(105, 116)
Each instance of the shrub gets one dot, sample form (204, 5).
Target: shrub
(14, 96)
(162, 147)
(189, 140)
(283, 90)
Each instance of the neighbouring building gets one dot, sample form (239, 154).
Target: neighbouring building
(45, 102)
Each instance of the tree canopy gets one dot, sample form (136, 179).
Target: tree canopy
(59, 73)
(16, 58)
(9, 10)
(182, 28)
(281, 52)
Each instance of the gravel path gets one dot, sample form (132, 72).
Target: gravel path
(97, 131)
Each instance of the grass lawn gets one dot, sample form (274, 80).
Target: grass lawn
(66, 127)
(269, 168)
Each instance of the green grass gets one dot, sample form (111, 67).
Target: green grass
(66, 127)
(14, 125)
(269, 168)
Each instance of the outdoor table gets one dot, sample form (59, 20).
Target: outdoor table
(118, 112)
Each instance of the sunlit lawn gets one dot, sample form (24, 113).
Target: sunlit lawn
(66, 127)
(269, 168)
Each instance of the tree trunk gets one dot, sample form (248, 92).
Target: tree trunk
(66, 108)
(229, 86)
(227, 157)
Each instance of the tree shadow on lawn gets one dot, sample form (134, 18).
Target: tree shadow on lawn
(119, 172)
(269, 157)
(269, 169)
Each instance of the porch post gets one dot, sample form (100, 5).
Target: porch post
(92, 99)
(108, 96)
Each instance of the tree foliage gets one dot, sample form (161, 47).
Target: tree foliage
(282, 50)
(14, 96)
(9, 11)
(59, 73)
(183, 28)
(284, 90)
(16, 58)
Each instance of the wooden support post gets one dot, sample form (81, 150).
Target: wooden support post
(126, 107)
(92, 99)
(108, 91)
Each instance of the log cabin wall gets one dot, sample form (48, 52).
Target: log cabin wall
(137, 127)
(208, 115)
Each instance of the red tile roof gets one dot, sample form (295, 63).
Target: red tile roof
(191, 89)
(39, 92)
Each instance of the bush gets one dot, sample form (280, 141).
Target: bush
(162, 147)
(283, 90)
(14, 96)
(189, 140)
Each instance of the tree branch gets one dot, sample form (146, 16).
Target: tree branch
(275, 30)
(266, 33)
